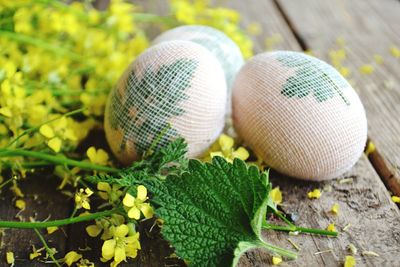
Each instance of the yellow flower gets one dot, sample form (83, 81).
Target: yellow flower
(136, 205)
(335, 209)
(20, 204)
(107, 192)
(82, 198)
(350, 261)
(71, 257)
(98, 156)
(276, 195)
(276, 260)
(10, 258)
(396, 199)
(223, 147)
(125, 243)
(51, 229)
(331, 227)
(366, 69)
(316, 193)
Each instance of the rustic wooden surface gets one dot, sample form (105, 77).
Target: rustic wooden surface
(368, 27)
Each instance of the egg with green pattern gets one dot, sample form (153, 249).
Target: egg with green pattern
(299, 115)
(172, 89)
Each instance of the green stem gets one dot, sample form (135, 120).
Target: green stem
(298, 229)
(48, 249)
(27, 165)
(32, 129)
(280, 251)
(56, 49)
(280, 215)
(58, 160)
(6, 183)
(32, 225)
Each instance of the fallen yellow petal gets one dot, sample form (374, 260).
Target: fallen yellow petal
(396, 199)
(370, 148)
(276, 195)
(367, 69)
(335, 209)
(331, 227)
(51, 229)
(395, 51)
(72, 257)
(316, 193)
(350, 261)
(378, 59)
(20, 204)
(10, 257)
(276, 260)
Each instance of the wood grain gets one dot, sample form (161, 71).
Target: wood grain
(42, 200)
(369, 28)
(364, 203)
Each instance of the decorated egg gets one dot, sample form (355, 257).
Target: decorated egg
(172, 89)
(217, 42)
(299, 115)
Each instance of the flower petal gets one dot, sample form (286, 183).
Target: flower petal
(121, 230)
(134, 213)
(147, 210)
(119, 254)
(93, 230)
(141, 192)
(128, 200)
(108, 249)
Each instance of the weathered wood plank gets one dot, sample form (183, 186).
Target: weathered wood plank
(369, 28)
(42, 200)
(365, 218)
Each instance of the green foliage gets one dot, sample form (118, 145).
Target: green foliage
(148, 103)
(213, 212)
(310, 78)
(164, 161)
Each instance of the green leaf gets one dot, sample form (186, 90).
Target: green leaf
(312, 76)
(213, 213)
(162, 162)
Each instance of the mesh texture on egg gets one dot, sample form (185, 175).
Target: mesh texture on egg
(176, 88)
(299, 114)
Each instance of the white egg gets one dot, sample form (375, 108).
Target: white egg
(175, 87)
(299, 115)
(218, 43)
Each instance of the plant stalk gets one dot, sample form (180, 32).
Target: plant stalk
(58, 160)
(33, 225)
(268, 226)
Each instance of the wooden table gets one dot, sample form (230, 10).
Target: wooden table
(368, 27)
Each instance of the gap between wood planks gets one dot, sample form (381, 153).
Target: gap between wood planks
(377, 161)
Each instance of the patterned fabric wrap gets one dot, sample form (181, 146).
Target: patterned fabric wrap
(218, 43)
(173, 89)
(299, 115)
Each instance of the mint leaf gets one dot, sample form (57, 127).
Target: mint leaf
(213, 213)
